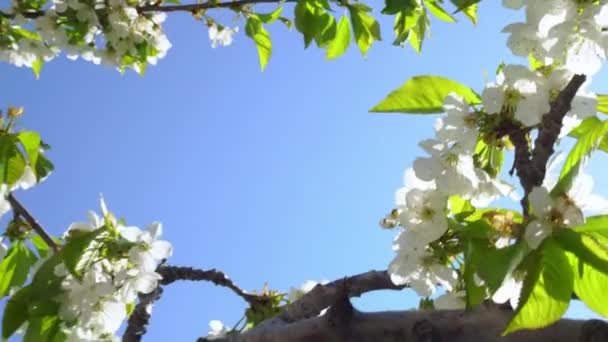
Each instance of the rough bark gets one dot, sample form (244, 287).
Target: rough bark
(484, 324)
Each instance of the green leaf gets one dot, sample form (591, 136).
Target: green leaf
(405, 20)
(37, 67)
(473, 253)
(82, 249)
(43, 167)
(584, 247)
(594, 224)
(256, 31)
(31, 144)
(438, 11)
(583, 149)
(340, 44)
(286, 21)
(312, 20)
(587, 125)
(268, 18)
(43, 328)
(418, 31)
(460, 207)
(590, 285)
(41, 246)
(15, 267)
(546, 291)
(497, 263)
(45, 283)
(425, 95)
(395, 6)
(468, 8)
(15, 312)
(488, 157)
(365, 28)
(602, 103)
(12, 162)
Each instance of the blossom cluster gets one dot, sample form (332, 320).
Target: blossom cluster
(422, 205)
(94, 306)
(562, 38)
(115, 33)
(112, 32)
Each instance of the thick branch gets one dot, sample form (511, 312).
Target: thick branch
(23, 212)
(484, 324)
(323, 296)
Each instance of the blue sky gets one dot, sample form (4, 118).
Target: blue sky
(277, 177)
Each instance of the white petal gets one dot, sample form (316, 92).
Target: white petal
(536, 232)
(130, 233)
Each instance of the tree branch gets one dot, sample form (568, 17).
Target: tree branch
(169, 8)
(23, 212)
(172, 274)
(140, 317)
(322, 296)
(531, 166)
(483, 324)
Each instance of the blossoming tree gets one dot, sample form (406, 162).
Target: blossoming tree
(84, 285)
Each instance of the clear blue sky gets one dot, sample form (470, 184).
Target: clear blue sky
(274, 177)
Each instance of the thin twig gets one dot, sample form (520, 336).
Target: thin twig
(23, 212)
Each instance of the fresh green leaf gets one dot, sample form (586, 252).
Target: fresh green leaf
(40, 245)
(438, 11)
(287, 22)
(12, 162)
(424, 95)
(546, 291)
(82, 249)
(584, 146)
(15, 312)
(418, 31)
(43, 167)
(45, 283)
(602, 103)
(15, 267)
(587, 126)
(313, 21)
(497, 263)
(535, 64)
(340, 44)
(395, 6)
(31, 144)
(37, 67)
(460, 207)
(44, 328)
(268, 18)
(365, 28)
(473, 253)
(469, 9)
(404, 22)
(256, 31)
(594, 224)
(584, 247)
(590, 285)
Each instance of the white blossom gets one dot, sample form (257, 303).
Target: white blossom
(221, 36)
(217, 330)
(451, 301)
(509, 290)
